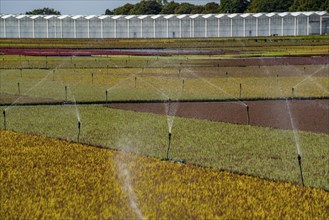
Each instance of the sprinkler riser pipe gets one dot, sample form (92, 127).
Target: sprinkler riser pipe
(169, 142)
(79, 126)
(65, 93)
(4, 119)
(240, 90)
(248, 116)
(300, 168)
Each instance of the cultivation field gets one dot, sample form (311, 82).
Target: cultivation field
(308, 115)
(49, 178)
(249, 120)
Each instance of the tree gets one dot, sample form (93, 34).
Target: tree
(184, 8)
(109, 12)
(169, 8)
(123, 10)
(147, 7)
(269, 6)
(211, 8)
(233, 6)
(197, 9)
(309, 5)
(43, 11)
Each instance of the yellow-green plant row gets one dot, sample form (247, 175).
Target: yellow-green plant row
(49, 178)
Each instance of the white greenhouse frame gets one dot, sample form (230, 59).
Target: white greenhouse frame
(165, 26)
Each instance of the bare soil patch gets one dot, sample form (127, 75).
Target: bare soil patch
(305, 115)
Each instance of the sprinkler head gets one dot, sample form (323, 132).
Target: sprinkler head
(4, 112)
(79, 124)
(169, 134)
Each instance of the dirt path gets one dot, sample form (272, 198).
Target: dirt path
(306, 115)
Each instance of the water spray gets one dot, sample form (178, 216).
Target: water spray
(169, 132)
(248, 116)
(4, 119)
(79, 127)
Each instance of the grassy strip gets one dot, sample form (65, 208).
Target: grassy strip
(163, 83)
(251, 150)
(47, 178)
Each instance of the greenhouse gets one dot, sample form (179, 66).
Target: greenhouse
(165, 26)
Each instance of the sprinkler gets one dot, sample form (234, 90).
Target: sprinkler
(293, 91)
(66, 93)
(169, 138)
(300, 168)
(79, 126)
(240, 89)
(92, 78)
(106, 95)
(4, 119)
(53, 75)
(183, 83)
(248, 116)
(135, 82)
(277, 78)
(19, 89)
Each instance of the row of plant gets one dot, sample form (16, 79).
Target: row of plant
(163, 43)
(162, 84)
(257, 151)
(49, 178)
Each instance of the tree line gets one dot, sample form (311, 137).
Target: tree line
(225, 6)
(154, 7)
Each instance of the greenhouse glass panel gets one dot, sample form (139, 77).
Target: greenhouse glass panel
(263, 26)
(147, 26)
(314, 25)
(160, 27)
(237, 25)
(134, 26)
(95, 28)
(325, 24)
(212, 26)
(173, 28)
(301, 24)
(186, 27)
(12, 27)
(51, 20)
(225, 27)
(108, 27)
(199, 27)
(288, 25)
(81, 25)
(68, 27)
(121, 28)
(26, 27)
(40, 27)
(250, 26)
(276, 25)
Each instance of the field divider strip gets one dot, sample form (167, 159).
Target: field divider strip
(158, 101)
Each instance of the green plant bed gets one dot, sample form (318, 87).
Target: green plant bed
(263, 152)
